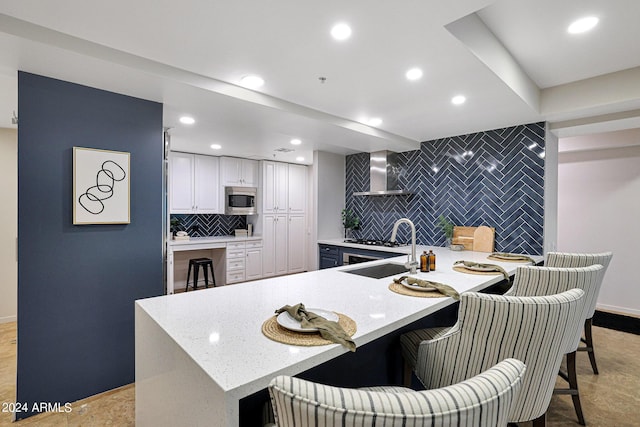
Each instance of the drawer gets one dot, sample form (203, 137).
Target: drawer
(235, 253)
(254, 244)
(235, 245)
(235, 276)
(235, 264)
(329, 250)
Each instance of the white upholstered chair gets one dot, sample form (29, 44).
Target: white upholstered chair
(484, 400)
(536, 281)
(562, 259)
(535, 330)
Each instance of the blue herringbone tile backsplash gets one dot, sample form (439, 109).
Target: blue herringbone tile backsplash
(210, 225)
(493, 178)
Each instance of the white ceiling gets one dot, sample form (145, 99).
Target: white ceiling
(191, 54)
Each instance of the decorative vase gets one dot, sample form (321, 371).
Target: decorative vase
(348, 232)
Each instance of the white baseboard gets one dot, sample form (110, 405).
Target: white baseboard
(618, 310)
(8, 319)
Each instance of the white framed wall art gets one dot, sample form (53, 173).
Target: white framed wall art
(100, 186)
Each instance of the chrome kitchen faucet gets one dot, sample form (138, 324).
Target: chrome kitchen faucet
(411, 264)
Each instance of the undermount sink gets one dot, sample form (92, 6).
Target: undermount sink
(379, 271)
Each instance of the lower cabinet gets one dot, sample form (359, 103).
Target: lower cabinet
(329, 256)
(253, 267)
(296, 244)
(244, 261)
(284, 245)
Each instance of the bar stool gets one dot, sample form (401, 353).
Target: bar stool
(195, 264)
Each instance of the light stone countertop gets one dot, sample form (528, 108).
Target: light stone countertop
(220, 328)
(211, 240)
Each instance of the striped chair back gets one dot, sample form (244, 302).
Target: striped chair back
(532, 281)
(494, 327)
(572, 260)
(484, 400)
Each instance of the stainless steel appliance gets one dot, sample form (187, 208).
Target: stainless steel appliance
(352, 258)
(240, 200)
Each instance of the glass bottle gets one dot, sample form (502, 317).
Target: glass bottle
(424, 262)
(432, 260)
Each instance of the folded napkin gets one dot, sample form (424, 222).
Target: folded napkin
(476, 266)
(512, 257)
(440, 287)
(329, 330)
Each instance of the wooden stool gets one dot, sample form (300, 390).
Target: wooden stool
(196, 263)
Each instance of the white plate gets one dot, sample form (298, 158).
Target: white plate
(285, 320)
(417, 287)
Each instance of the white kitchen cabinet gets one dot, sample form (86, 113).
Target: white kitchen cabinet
(235, 262)
(253, 265)
(237, 172)
(244, 261)
(297, 189)
(275, 192)
(194, 185)
(181, 182)
(296, 238)
(284, 199)
(274, 236)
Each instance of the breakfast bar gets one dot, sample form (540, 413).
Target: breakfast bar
(198, 354)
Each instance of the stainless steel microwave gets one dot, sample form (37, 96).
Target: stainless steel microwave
(240, 200)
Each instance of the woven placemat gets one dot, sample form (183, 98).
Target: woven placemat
(462, 269)
(508, 260)
(272, 330)
(403, 290)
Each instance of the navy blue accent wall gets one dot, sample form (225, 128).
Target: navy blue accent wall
(77, 284)
(493, 178)
(203, 225)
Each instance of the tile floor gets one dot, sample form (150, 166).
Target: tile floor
(610, 399)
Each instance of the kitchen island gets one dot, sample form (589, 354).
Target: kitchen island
(198, 354)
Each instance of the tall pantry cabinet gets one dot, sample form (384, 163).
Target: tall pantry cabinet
(283, 211)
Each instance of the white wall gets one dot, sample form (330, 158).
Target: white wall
(328, 198)
(9, 221)
(599, 210)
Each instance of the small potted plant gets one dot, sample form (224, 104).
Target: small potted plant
(350, 222)
(175, 225)
(447, 228)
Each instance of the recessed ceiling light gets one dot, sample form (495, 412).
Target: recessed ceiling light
(458, 99)
(414, 74)
(216, 146)
(376, 121)
(186, 120)
(300, 159)
(582, 25)
(252, 81)
(341, 31)
(295, 141)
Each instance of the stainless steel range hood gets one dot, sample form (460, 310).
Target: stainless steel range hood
(384, 172)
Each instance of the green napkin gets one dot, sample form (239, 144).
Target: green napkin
(512, 257)
(440, 287)
(472, 265)
(329, 330)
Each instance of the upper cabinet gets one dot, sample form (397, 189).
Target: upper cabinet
(193, 184)
(297, 188)
(274, 187)
(284, 187)
(236, 172)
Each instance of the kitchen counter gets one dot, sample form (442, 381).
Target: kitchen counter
(402, 249)
(207, 242)
(215, 247)
(199, 353)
